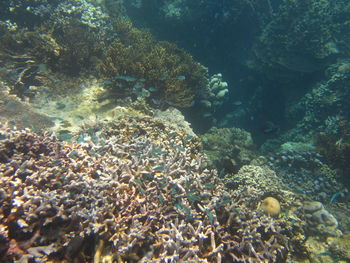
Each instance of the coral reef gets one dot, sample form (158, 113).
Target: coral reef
(305, 171)
(32, 13)
(271, 206)
(298, 38)
(336, 148)
(69, 41)
(135, 189)
(264, 183)
(213, 96)
(319, 220)
(137, 65)
(70, 47)
(228, 148)
(110, 170)
(340, 247)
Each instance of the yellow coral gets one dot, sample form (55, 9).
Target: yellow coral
(271, 206)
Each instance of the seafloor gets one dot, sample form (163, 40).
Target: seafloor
(112, 150)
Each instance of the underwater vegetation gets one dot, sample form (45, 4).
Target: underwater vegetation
(137, 64)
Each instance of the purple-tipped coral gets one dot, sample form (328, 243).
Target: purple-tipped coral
(135, 191)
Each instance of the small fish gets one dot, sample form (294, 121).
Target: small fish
(138, 85)
(209, 185)
(224, 202)
(188, 212)
(178, 206)
(81, 139)
(292, 222)
(158, 151)
(57, 162)
(56, 118)
(193, 198)
(66, 124)
(43, 68)
(298, 190)
(74, 155)
(138, 181)
(206, 103)
(319, 175)
(107, 82)
(155, 101)
(286, 213)
(334, 198)
(164, 185)
(188, 138)
(333, 47)
(164, 76)
(28, 91)
(60, 106)
(181, 77)
(211, 217)
(161, 199)
(152, 89)
(181, 149)
(324, 253)
(65, 136)
(126, 78)
(158, 168)
(134, 134)
(172, 135)
(207, 115)
(237, 103)
(235, 210)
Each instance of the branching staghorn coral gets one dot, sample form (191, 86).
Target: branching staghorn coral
(137, 190)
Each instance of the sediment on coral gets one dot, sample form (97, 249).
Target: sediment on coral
(134, 190)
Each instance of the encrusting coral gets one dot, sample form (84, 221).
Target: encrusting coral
(136, 190)
(138, 65)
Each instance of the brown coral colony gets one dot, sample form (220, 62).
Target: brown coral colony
(141, 198)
